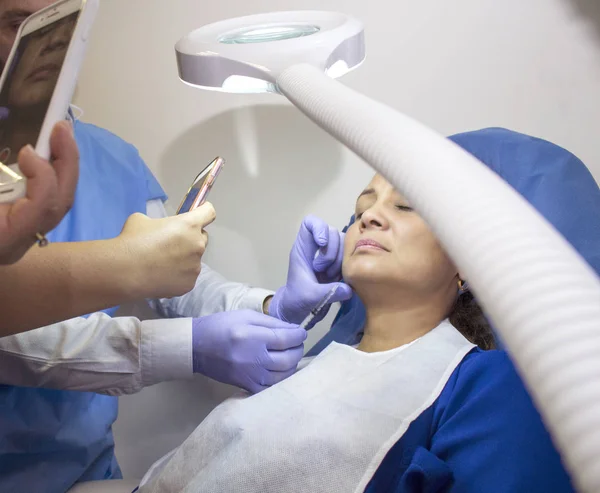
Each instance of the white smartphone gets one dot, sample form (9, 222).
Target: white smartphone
(38, 82)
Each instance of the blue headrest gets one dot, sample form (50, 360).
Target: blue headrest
(552, 179)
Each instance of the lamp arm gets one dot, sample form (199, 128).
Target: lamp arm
(542, 297)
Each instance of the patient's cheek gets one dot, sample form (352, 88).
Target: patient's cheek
(358, 269)
(351, 269)
(348, 242)
(345, 271)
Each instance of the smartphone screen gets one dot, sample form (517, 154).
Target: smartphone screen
(188, 201)
(200, 187)
(29, 86)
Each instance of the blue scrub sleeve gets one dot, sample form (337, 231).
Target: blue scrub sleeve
(487, 430)
(155, 191)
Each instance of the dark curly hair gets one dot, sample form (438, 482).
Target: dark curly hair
(467, 316)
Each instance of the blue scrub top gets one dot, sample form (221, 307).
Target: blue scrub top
(483, 434)
(51, 439)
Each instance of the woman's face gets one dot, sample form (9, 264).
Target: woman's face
(37, 71)
(390, 245)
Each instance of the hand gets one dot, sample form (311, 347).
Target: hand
(49, 196)
(246, 349)
(165, 254)
(309, 278)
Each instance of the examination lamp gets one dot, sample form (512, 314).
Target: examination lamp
(248, 54)
(541, 295)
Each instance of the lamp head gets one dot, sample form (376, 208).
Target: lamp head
(247, 54)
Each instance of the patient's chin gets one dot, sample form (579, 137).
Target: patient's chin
(365, 271)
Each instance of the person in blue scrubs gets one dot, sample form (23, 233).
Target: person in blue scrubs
(477, 431)
(58, 384)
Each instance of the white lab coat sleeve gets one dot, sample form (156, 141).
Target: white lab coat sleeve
(101, 354)
(212, 292)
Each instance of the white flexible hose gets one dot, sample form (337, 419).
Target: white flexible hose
(542, 297)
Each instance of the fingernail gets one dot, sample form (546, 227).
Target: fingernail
(67, 125)
(29, 150)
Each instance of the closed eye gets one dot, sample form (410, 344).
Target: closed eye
(404, 208)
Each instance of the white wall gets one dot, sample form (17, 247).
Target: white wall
(533, 66)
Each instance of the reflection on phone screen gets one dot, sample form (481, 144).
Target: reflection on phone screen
(188, 201)
(28, 89)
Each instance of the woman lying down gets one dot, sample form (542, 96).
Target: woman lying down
(416, 407)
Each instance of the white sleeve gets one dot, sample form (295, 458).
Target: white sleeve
(101, 354)
(212, 292)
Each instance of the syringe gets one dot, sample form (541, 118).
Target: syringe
(318, 309)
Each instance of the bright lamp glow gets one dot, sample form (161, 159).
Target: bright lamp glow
(240, 84)
(268, 34)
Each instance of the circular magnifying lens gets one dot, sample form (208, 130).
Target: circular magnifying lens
(266, 34)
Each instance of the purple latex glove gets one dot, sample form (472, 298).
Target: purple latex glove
(310, 278)
(246, 348)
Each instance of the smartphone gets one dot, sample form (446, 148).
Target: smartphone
(38, 82)
(202, 184)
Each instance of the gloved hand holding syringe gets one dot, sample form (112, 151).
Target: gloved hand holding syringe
(323, 305)
(314, 275)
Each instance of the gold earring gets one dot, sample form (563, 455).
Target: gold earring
(463, 286)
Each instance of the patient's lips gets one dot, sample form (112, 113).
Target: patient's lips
(367, 244)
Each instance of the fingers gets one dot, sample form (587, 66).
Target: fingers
(330, 242)
(270, 378)
(65, 156)
(315, 229)
(50, 187)
(330, 257)
(41, 178)
(254, 388)
(274, 377)
(283, 339)
(202, 216)
(312, 241)
(258, 319)
(342, 293)
(32, 212)
(284, 361)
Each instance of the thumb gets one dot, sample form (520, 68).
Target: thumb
(33, 210)
(66, 163)
(136, 222)
(343, 292)
(314, 230)
(313, 234)
(329, 258)
(201, 216)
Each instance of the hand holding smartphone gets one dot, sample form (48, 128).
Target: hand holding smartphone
(38, 82)
(201, 186)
